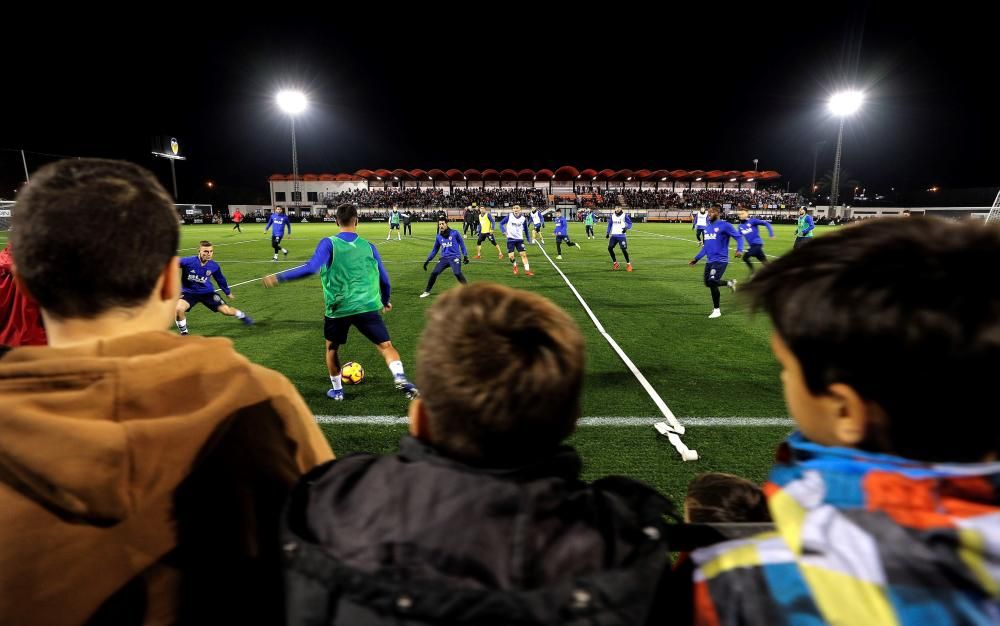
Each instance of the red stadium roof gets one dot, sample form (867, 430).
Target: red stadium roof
(564, 173)
(567, 172)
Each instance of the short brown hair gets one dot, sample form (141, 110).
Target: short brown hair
(716, 497)
(91, 235)
(346, 213)
(500, 373)
(205, 243)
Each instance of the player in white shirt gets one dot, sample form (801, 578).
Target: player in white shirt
(514, 227)
(618, 222)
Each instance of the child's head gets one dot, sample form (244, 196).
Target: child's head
(500, 373)
(887, 333)
(719, 498)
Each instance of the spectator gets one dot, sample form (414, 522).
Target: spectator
(481, 517)
(22, 321)
(715, 497)
(886, 502)
(143, 473)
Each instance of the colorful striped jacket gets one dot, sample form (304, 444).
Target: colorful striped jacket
(861, 539)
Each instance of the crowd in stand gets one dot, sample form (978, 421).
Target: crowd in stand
(149, 477)
(597, 197)
(437, 198)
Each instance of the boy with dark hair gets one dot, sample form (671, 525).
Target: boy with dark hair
(886, 501)
(142, 474)
(481, 517)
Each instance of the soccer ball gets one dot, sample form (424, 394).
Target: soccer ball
(352, 373)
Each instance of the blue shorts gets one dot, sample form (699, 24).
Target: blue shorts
(212, 301)
(714, 271)
(538, 228)
(619, 240)
(393, 226)
(368, 324)
(276, 240)
(560, 238)
(515, 244)
(484, 236)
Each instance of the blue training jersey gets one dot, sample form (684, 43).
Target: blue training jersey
(451, 247)
(717, 237)
(748, 228)
(196, 278)
(561, 226)
(324, 255)
(279, 222)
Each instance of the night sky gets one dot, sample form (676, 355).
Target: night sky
(699, 87)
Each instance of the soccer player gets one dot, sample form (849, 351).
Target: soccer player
(486, 226)
(537, 222)
(453, 254)
(279, 221)
(394, 224)
(514, 227)
(805, 229)
(699, 223)
(562, 234)
(197, 273)
(237, 220)
(588, 221)
(618, 222)
(716, 247)
(748, 229)
(355, 288)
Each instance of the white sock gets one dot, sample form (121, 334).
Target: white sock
(335, 381)
(527, 268)
(283, 251)
(240, 314)
(396, 367)
(182, 325)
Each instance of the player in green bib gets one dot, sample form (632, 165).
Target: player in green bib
(394, 216)
(588, 221)
(356, 291)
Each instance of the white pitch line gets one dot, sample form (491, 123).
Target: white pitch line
(657, 400)
(231, 243)
(709, 422)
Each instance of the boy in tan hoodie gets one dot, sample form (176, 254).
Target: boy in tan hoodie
(142, 473)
